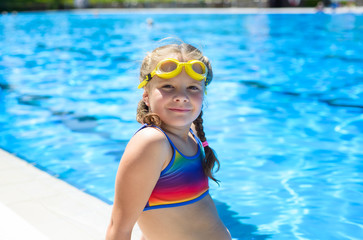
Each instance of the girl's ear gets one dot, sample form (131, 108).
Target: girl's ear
(145, 97)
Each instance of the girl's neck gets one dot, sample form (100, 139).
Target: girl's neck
(179, 132)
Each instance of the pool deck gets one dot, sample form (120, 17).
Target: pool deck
(35, 205)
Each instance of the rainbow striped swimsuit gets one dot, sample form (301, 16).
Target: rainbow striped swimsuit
(182, 182)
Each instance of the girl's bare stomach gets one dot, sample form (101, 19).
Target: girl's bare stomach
(196, 221)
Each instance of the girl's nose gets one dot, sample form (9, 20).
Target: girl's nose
(181, 96)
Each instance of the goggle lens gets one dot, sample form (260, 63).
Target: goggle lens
(198, 68)
(168, 66)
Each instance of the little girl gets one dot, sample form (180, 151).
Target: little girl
(162, 180)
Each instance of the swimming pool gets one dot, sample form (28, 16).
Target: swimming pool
(284, 112)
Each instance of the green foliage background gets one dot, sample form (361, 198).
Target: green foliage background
(23, 5)
(26, 5)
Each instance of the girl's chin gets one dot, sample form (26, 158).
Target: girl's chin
(178, 123)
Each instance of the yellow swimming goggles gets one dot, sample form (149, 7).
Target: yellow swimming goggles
(170, 67)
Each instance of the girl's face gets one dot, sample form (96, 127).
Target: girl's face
(178, 100)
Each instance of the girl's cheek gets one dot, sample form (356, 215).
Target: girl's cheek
(199, 97)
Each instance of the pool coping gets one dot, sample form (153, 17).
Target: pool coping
(45, 207)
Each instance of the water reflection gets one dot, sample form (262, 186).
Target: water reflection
(234, 224)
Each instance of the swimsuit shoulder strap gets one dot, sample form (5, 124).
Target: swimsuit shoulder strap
(153, 126)
(195, 137)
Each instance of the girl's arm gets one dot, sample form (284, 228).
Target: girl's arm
(138, 172)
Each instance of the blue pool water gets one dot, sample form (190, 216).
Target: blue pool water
(284, 111)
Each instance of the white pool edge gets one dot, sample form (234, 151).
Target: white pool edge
(39, 206)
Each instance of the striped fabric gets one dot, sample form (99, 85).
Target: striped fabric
(182, 182)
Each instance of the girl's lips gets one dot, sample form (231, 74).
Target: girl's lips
(179, 109)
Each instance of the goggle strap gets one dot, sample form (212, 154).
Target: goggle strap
(148, 77)
(146, 80)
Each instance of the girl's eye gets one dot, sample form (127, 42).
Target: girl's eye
(167, 86)
(194, 88)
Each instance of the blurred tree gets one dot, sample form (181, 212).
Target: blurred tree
(80, 3)
(23, 5)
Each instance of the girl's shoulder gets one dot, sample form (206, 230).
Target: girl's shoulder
(150, 138)
(151, 133)
(147, 149)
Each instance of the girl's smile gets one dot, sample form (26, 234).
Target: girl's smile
(181, 110)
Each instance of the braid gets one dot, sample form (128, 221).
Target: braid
(210, 158)
(144, 116)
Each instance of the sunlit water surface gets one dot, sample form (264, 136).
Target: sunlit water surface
(284, 111)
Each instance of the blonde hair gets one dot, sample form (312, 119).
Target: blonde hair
(144, 116)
